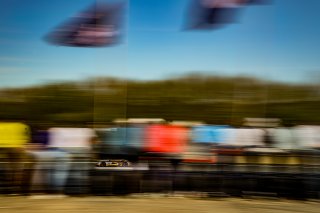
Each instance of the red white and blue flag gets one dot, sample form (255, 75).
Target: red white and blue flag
(211, 14)
(98, 26)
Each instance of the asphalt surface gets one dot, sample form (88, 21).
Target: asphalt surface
(153, 204)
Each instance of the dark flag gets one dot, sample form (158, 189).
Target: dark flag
(212, 14)
(97, 26)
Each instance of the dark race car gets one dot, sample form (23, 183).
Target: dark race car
(113, 163)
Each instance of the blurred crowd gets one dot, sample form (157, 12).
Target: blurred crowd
(45, 159)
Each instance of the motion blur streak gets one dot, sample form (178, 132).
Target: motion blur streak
(164, 157)
(164, 113)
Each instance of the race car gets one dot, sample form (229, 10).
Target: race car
(113, 163)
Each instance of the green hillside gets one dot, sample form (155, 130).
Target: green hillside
(218, 100)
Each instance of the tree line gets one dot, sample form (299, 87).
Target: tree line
(196, 97)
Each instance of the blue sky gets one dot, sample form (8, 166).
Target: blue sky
(278, 41)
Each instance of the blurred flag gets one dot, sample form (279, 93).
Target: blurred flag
(97, 26)
(211, 14)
